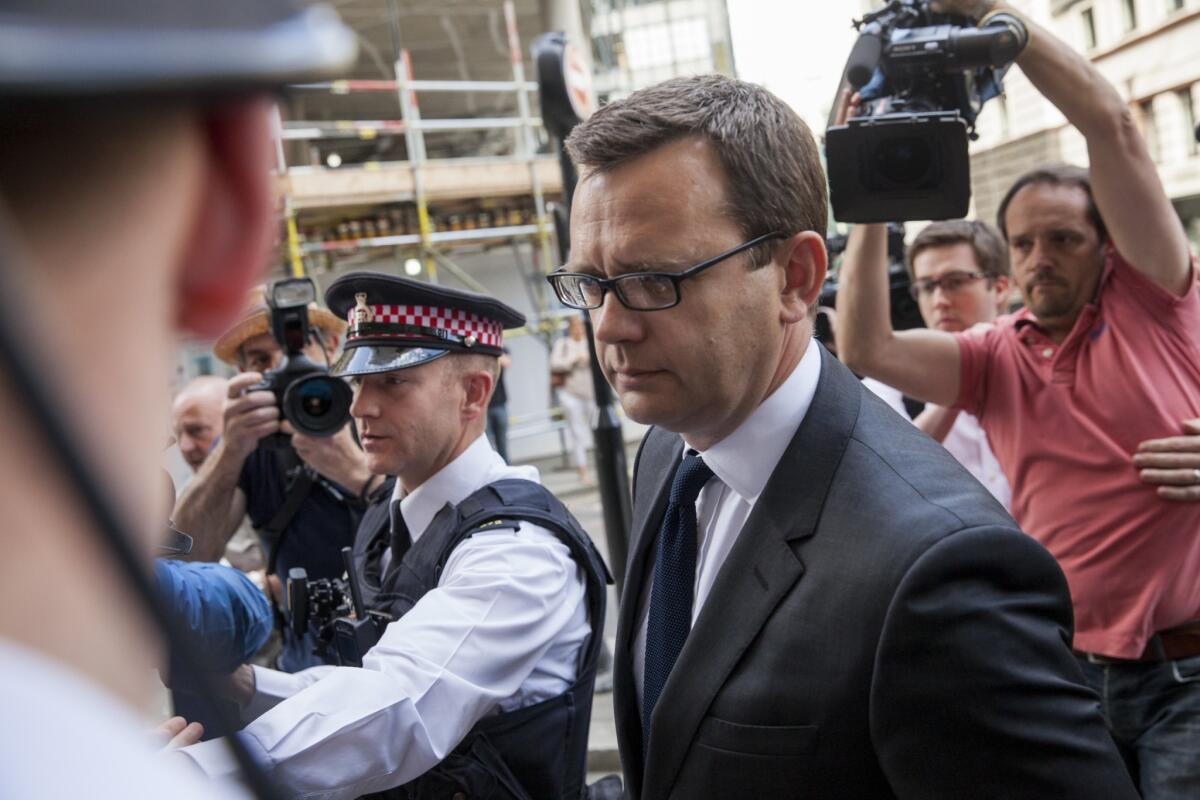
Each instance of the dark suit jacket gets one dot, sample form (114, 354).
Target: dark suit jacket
(881, 628)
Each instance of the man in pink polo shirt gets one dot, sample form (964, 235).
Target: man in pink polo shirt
(1105, 356)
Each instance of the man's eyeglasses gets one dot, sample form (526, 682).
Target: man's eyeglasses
(639, 291)
(949, 283)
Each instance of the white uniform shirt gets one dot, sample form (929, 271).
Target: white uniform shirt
(62, 735)
(742, 463)
(502, 630)
(967, 442)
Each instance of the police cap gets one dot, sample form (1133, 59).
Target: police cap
(73, 48)
(396, 322)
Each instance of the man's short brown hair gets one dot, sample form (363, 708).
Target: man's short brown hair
(773, 168)
(991, 254)
(1055, 175)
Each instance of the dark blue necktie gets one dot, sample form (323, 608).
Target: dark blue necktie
(674, 581)
(398, 536)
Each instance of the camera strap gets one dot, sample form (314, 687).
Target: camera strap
(299, 484)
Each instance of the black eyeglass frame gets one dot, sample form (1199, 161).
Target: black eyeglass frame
(676, 278)
(933, 284)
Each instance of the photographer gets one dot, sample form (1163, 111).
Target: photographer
(305, 499)
(1105, 356)
(482, 674)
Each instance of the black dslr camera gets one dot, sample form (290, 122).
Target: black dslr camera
(345, 629)
(308, 397)
(923, 78)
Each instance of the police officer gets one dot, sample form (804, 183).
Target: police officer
(485, 676)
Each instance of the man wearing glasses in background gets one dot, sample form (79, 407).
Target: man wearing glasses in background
(960, 279)
(818, 598)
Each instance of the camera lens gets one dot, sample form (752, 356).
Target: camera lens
(904, 161)
(316, 399)
(318, 405)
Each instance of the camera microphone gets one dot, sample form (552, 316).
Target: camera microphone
(864, 56)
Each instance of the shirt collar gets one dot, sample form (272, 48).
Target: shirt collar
(745, 459)
(474, 468)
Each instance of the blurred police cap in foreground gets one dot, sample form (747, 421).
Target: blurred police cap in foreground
(70, 48)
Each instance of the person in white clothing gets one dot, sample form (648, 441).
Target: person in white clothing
(495, 612)
(960, 279)
(570, 359)
(135, 208)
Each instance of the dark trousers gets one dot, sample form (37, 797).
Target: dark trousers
(1152, 710)
(497, 429)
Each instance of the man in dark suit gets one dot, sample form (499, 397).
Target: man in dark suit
(820, 601)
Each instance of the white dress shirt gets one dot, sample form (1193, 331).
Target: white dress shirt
(890, 395)
(63, 736)
(502, 630)
(967, 442)
(742, 463)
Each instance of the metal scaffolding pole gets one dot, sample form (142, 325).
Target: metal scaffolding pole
(414, 139)
(295, 262)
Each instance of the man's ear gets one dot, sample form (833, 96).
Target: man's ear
(1001, 286)
(805, 263)
(477, 386)
(234, 221)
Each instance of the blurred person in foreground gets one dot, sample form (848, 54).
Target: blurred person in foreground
(1076, 393)
(493, 594)
(819, 598)
(166, 215)
(304, 499)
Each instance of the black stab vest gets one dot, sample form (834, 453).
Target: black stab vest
(538, 752)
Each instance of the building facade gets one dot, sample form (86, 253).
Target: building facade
(1150, 51)
(636, 43)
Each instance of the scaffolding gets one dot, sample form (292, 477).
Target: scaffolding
(419, 180)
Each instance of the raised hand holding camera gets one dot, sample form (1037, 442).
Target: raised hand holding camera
(972, 9)
(337, 457)
(307, 396)
(923, 76)
(250, 414)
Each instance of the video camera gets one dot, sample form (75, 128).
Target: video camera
(923, 78)
(308, 397)
(346, 630)
(904, 311)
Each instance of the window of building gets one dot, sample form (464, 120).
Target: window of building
(1129, 13)
(1175, 5)
(1188, 105)
(1089, 28)
(1149, 128)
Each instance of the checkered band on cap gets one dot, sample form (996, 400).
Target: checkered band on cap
(488, 332)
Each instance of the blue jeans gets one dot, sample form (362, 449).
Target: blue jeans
(1153, 713)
